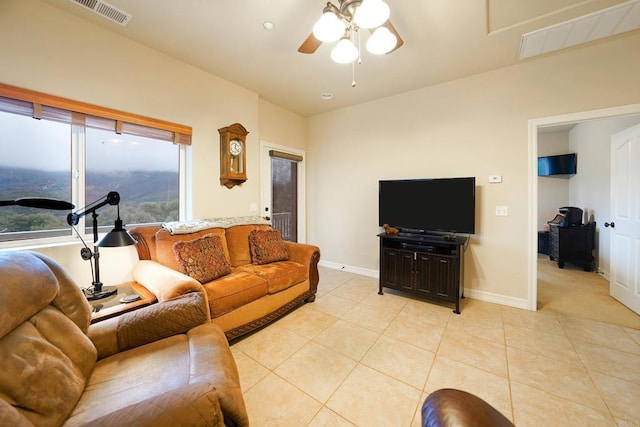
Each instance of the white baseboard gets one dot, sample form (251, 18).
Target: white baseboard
(497, 299)
(604, 274)
(350, 269)
(469, 293)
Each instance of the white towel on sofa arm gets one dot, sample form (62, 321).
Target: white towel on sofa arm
(194, 225)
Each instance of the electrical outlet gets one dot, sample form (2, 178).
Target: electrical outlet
(253, 207)
(502, 211)
(495, 178)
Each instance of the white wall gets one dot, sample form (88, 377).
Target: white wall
(282, 127)
(474, 126)
(589, 189)
(553, 191)
(48, 50)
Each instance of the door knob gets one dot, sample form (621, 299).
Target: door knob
(613, 224)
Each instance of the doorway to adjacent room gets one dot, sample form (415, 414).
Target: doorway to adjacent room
(539, 275)
(282, 190)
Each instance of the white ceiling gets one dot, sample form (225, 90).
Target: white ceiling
(444, 40)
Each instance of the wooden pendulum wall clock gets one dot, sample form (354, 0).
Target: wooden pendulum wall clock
(233, 155)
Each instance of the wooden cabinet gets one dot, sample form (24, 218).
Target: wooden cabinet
(425, 266)
(573, 244)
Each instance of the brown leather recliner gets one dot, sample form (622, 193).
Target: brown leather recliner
(449, 407)
(162, 365)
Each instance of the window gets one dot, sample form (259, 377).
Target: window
(35, 162)
(61, 149)
(144, 171)
(284, 194)
(285, 168)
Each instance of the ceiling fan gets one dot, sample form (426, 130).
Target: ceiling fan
(342, 23)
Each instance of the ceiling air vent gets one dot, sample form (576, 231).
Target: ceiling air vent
(106, 10)
(594, 26)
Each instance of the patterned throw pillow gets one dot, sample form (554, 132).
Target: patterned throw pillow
(267, 246)
(202, 258)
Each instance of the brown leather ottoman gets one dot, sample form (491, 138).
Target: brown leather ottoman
(450, 407)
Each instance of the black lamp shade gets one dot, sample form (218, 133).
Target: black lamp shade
(40, 203)
(117, 237)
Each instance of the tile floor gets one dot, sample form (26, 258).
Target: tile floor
(355, 358)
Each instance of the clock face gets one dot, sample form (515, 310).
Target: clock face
(235, 147)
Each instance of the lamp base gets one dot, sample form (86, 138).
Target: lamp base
(106, 291)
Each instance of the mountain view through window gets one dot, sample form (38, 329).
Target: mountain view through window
(50, 159)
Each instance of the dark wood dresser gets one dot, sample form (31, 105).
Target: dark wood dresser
(573, 244)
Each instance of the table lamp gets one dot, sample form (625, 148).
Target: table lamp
(115, 238)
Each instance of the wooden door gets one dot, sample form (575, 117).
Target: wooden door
(426, 275)
(624, 225)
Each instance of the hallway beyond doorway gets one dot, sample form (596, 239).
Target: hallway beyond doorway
(572, 291)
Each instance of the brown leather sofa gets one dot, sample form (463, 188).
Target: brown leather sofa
(161, 365)
(250, 295)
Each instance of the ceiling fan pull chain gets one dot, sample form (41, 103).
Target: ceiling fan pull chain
(353, 64)
(359, 45)
(353, 74)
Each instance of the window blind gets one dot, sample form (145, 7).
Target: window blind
(42, 106)
(283, 155)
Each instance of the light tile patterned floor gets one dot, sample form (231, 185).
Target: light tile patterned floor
(355, 358)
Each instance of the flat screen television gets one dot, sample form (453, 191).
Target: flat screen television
(563, 164)
(428, 205)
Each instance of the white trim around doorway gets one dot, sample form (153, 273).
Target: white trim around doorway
(534, 125)
(265, 182)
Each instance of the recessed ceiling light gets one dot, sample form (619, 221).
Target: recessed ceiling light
(326, 95)
(268, 25)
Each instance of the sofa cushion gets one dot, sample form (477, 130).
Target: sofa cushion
(70, 299)
(17, 301)
(279, 275)
(238, 243)
(133, 376)
(193, 405)
(45, 363)
(45, 356)
(164, 245)
(267, 246)
(234, 290)
(202, 258)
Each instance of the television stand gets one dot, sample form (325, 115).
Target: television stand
(427, 266)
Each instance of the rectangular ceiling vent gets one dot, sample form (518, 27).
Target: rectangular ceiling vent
(106, 10)
(594, 26)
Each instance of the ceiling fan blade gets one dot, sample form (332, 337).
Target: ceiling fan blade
(393, 30)
(310, 45)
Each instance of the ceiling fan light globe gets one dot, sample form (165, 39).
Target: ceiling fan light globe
(381, 41)
(329, 28)
(371, 14)
(344, 52)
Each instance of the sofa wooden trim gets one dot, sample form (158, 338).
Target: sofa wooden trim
(259, 323)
